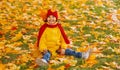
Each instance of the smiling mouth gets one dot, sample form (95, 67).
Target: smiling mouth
(51, 21)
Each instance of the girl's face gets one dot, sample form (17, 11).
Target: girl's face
(51, 20)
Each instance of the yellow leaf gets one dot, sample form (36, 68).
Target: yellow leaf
(17, 37)
(35, 53)
(15, 44)
(50, 68)
(23, 58)
(106, 40)
(113, 64)
(61, 68)
(99, 2)
(90, 63)
(118, 11)
(2, 66)
(118, 16)
(2, 44)
(106, 68)
(117, 50)
(10, 0)
(92, 57)
(8, 50)
(84, 43)
(11, 66)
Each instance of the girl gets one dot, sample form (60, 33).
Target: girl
(52, 40)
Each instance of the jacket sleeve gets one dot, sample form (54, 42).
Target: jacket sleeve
(42, 43)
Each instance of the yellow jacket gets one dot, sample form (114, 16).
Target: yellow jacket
(51, 40)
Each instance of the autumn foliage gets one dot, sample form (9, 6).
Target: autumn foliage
(88, 23)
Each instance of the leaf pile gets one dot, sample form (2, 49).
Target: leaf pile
(88, 23)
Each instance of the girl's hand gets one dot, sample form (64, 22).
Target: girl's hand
(62, 51)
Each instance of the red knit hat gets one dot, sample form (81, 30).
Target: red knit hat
(55, 14)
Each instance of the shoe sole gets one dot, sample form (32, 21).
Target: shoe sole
(89, 53)
(40, 62)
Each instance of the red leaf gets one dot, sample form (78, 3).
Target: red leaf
(14, 28)
(67, 66)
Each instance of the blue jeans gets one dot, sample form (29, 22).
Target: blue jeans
(47, 56)
(68, 52)
(71, 52)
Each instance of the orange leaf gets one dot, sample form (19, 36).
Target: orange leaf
(92, 57)
(1, 32)
(2, 66)
(43, 14)
(14, 28)
(67, 65)
(50, 68)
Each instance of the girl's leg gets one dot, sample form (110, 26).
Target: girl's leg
(47, 56)
(45, 59)
(84, 55)
(71, 52)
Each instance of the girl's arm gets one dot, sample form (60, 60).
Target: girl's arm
(42, 44)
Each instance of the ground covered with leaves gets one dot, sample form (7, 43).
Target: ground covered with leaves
(88, 23)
